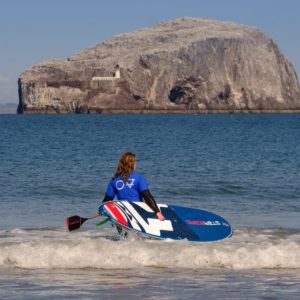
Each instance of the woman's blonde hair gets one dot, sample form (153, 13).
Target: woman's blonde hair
(125, 166)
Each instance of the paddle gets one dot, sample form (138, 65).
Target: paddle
(75, 222)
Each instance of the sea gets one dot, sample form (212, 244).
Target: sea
(244, 167)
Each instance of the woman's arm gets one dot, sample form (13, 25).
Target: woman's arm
(149, 199)
(107, 198)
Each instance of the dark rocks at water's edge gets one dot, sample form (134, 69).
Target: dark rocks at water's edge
(186, 65)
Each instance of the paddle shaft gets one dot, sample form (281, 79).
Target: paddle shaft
(93, 217)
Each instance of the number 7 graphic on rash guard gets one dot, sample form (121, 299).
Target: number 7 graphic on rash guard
(120, 184)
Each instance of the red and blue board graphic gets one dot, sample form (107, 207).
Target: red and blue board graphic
(181, 222)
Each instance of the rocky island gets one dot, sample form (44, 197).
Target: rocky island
(186, 65)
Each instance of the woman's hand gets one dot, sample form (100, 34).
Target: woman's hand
(160, 216)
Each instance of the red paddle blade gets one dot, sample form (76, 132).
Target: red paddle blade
(74, 222)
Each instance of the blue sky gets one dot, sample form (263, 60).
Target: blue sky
(32, 31)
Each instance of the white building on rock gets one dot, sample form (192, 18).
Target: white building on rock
(117, 75)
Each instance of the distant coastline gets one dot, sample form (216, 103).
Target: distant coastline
(8, 108)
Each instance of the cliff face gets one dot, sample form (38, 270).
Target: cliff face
(187, 64)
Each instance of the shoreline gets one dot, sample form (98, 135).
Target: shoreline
(164, 111)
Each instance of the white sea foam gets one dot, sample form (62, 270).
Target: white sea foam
(247, 249)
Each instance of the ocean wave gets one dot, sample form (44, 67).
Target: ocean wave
(56, 248)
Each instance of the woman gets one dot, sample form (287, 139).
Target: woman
(130, 185)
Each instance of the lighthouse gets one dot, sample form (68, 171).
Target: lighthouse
(117, 73)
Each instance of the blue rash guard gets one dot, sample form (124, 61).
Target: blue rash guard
(130, 190)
